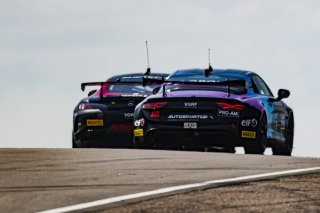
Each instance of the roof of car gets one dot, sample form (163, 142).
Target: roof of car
(219, 71)
(115, 77)
(225, 72)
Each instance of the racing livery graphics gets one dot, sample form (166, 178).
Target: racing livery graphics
(201, 108)
(105, 117)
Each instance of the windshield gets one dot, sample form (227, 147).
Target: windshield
(198, 76)
(198, 81)
(130, 88)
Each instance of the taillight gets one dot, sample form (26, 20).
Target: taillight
(84, 106)
(155, 114)
(155, 105)
(230, 106)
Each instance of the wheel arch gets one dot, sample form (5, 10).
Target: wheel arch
(291, 117)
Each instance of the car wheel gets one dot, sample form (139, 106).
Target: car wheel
(78, 144)
(229, 149)
(142, 144)
(260, 144)
(286, 148)
(74, 145)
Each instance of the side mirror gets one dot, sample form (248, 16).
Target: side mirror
(156, 90)
(283, 93)
(92, 92)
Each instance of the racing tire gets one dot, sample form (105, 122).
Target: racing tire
(231, 150)
(74, 145)
(286, 148)
(139, 145)
(260, 144)
(79, 144)
(227, 149)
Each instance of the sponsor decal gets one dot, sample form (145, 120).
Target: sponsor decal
(203, 81)
(127, 127)
(187, 117)
(254, 123)
(248, 134)
(131, 77)
(94, 122)
(130, 103)
(155, 114)
(139, 122)
(153, 77)
(141, 76)
(138, 132)
(249, 122)
(134, 95)
(190, 104)
(128, 115)
(228, 113)
(190, 125)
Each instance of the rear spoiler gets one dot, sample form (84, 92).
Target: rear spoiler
(228, 84)
(147, 80)
(211, 83)
(84, 85)
(101, 84)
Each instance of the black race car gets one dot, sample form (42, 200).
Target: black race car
(203, 108)
(105, 117)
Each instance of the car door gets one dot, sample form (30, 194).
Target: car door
(275, 109)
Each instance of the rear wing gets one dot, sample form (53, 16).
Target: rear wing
(101, 84)
(160, 80)
(211, 83)
(227, 83)
(146, 81)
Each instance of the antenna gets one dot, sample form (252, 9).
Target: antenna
(209, 70)
(209, 59)
(228, 88)
(148, 69)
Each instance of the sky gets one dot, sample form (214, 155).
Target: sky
(49, 47)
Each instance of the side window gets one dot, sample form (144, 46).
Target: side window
(260, 87)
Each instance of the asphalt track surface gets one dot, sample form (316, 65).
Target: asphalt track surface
(34, 180)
